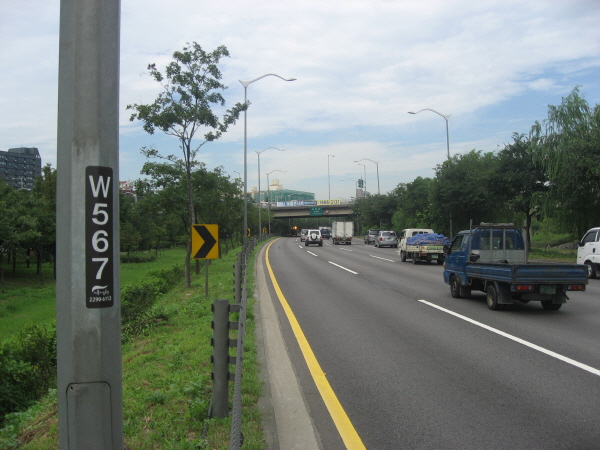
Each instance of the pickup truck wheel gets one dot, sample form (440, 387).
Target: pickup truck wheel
(455, 286)
(492, 298)
(591, 269)
(402, 256)
(549, 306)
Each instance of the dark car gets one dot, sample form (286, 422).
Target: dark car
(325, 233)
(370, 236)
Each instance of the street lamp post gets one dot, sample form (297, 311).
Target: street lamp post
(258, 152)
(269, 196)
(377, 164)
(246, 84)
(446, 117)
(328, 179)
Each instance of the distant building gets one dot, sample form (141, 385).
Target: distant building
(20, 166)
(127, 188)
(279, 194)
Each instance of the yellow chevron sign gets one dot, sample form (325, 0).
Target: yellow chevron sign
(205, 241)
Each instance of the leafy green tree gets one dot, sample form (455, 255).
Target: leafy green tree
(221, 201)
(8, 219)
(461, 191)
(414, 205)
(191, 87)
(376, 210)
(519, 180)
(44, 190)
(569, 150)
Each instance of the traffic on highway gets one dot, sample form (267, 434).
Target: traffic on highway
(389, 359)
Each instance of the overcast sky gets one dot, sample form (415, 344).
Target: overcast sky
(495, 66)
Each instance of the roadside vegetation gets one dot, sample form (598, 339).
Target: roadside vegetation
(166, 367)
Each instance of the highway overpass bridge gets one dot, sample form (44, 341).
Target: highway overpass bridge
(318, 208)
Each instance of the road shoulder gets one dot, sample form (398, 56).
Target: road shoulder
(286, 421)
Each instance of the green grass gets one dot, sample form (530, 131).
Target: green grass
(26, 301)
(553, 254)
(167, 376)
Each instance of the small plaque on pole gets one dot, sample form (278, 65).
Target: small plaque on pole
(99, 237)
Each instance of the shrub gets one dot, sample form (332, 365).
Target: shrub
(27, 367)
(137, 300)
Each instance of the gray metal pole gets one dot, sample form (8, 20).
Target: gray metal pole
(269, 203)
(245, 237)
(220, 359)
(259, 201)
(89, 379)
(447, 139)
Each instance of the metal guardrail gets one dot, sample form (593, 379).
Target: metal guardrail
(221, 344)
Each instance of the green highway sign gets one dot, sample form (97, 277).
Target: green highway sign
(316, 211)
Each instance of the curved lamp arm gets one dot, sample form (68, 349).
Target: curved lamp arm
(246, 83)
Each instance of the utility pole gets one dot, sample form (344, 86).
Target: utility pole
(88, 304)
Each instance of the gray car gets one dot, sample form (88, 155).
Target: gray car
(386, 239)
(370, 236)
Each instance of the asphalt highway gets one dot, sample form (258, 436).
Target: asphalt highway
(406, 366)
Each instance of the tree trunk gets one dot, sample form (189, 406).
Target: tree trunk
(41, 272)
(2, 272)
(188, 255)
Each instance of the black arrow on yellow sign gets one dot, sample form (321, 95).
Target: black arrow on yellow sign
(204, 241)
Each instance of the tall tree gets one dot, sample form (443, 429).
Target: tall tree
(191, 87)
(44, 190)
(414, 205)
(376, 210)
(460, 190)
(519, 180)
(569, 150)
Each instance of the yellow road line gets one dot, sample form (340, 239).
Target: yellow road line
(342, 422)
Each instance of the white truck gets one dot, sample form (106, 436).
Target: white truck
(588, 252)
(422, 245)
(342, 232)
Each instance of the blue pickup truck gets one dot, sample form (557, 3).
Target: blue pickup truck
(492, 258)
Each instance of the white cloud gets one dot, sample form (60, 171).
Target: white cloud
(360, 66)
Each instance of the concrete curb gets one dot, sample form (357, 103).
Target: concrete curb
(286, 421)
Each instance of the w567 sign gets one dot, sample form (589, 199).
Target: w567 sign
(99, 237)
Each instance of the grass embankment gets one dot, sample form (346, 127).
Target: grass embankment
(27, 301)
(167, 373)
(553, 254)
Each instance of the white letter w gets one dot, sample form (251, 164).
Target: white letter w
(96, 189)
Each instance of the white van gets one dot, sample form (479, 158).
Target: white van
(303, 234)
(588, 252)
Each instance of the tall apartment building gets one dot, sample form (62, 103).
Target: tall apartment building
(20, 166)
